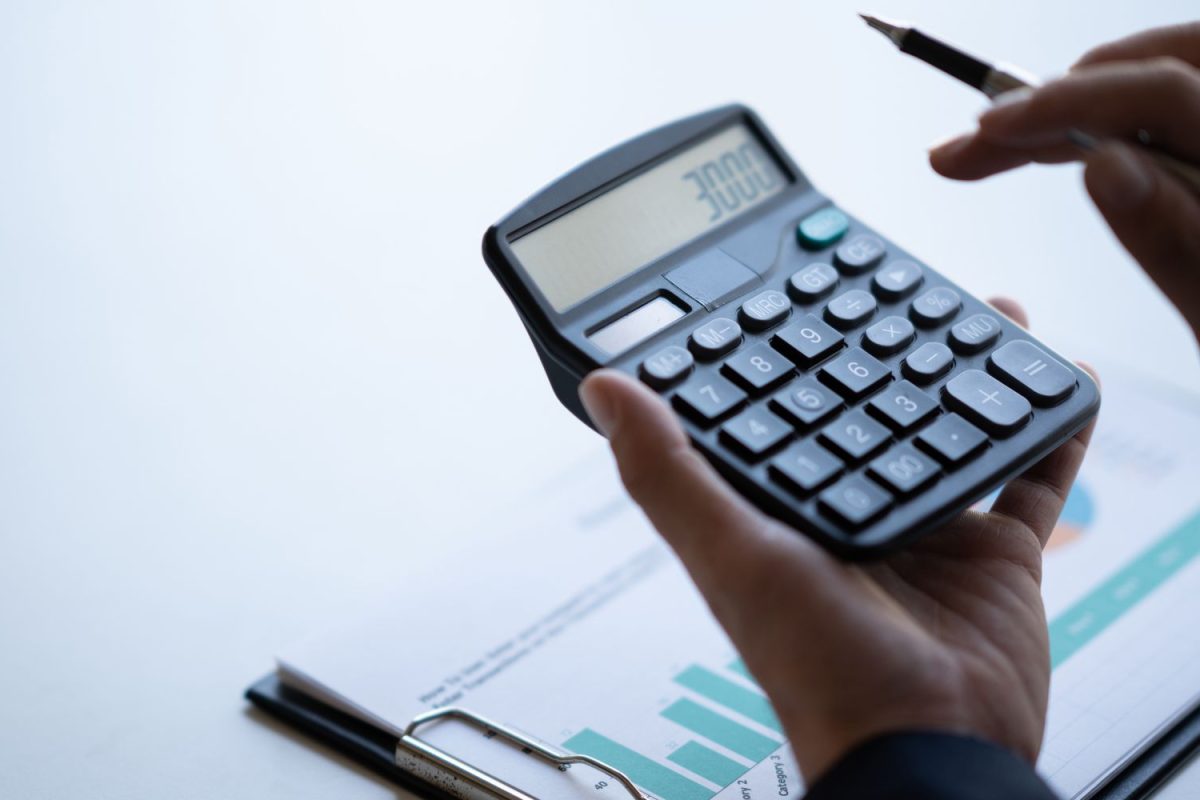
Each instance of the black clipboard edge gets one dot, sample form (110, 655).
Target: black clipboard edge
(1162, 759)
(353, 738)
(375, 749)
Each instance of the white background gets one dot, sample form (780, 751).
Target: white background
(252, 365)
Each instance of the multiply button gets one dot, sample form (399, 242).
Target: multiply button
(897, 280)
(975, 333)
(889, 335)
(987, 402)
(667, 366)
(715, 338)
(850, 309)
(1031, 371)
(936, 306)
(812, 282)
(765, 309)
(859, 254)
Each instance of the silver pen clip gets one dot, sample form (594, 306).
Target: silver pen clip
(436, 766)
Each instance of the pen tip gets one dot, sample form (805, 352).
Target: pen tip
(893, 30)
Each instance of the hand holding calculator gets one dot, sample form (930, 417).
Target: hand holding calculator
(835, 381)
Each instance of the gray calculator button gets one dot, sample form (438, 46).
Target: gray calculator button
(812, 282)
(889, 335)
(855, 436)
(765, 309)
(758, 368)
(928, 362)
(854, 501)
(667, 366)
(952, 440)
(806, 402)
(850, 309)
(976, 332)
(1033, 372)
(715, 338)
(807, 341)
(903, 470)
(936, 306)
(805, 467)
(897, 280)
(859, 253)
(855, 373)
(987, 402)
(707, 398)
(903, 406)
(755, 432)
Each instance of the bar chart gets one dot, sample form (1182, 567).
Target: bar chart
(734, 731)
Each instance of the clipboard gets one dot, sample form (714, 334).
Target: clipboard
(383, 752)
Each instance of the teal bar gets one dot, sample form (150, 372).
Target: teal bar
(1104, 605)
(708, 764)
(727, 693)
(647, 773)
(739, 667)
(720, 729)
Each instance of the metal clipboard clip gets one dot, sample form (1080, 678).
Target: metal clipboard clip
(436, 766)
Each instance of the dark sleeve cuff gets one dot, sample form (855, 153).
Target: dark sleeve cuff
(930, 766)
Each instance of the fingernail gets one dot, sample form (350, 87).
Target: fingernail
(1119, 177)
(598, 405)
(1008, 105)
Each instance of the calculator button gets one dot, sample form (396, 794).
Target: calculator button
(822, 228)
(667, 366)
(807, 341)
(889, 335)
(715, 338)
(859, 253)
(903, 470)
(976, 332)
(855, 436)
(806, 403)
(952, 440)
(765, 309)
(1031, 371)
(755, 432)
(854, 501)
(805, 467)
(936, 306)
(987, 402)
(708, 398)
(903, 406)
(812, 283)
(897, 280)
(851, 308)
(928, 362)
(758, 368)
(855, 373)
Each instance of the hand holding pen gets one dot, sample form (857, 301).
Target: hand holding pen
(1130, 110)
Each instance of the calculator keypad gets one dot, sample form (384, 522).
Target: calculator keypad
(856, 383)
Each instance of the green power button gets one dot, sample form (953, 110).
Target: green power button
(822, 228)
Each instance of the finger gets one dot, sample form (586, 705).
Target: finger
(1036, 498)
(1154, 216)
(1180, 41)
(1160, 97)
(708, 524)
(971, 157)
(1011, 309)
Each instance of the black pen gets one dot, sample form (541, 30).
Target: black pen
(994, 80)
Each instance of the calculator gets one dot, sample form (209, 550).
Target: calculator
(836, 381)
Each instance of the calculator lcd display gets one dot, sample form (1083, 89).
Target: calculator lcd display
(604, 240)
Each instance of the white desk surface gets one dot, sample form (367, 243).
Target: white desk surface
(254, 365)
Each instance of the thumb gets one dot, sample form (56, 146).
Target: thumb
(703, 519)
(1155, 216)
